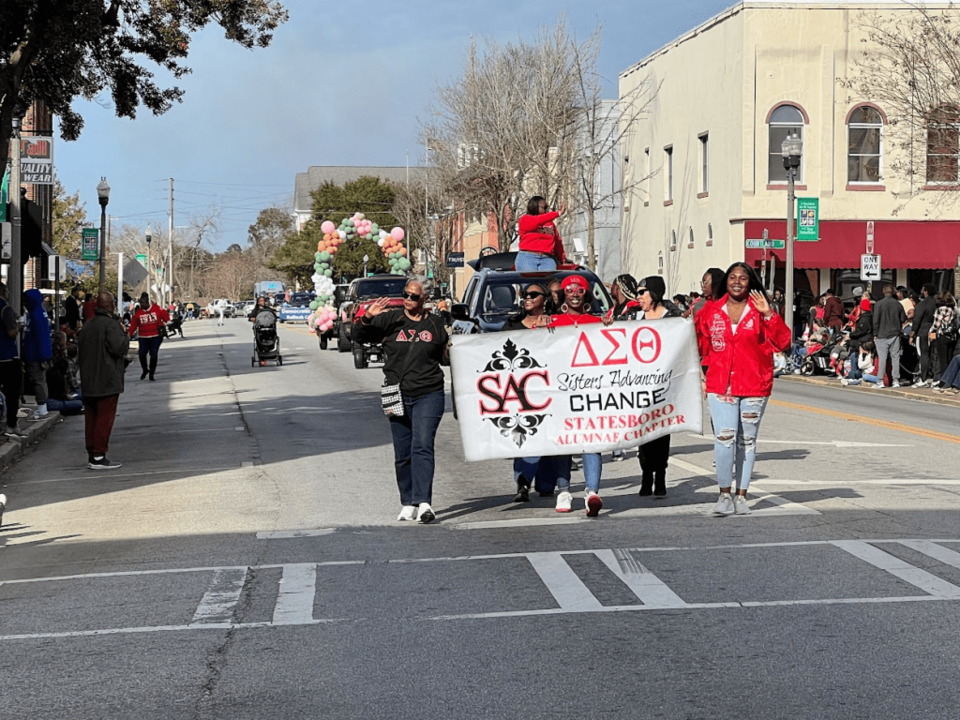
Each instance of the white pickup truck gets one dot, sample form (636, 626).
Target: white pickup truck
(213, 309)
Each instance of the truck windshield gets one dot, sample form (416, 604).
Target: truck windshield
(387, 287)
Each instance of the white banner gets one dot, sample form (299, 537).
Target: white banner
(36, 160)
(572, 390)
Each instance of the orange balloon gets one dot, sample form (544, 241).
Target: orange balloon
(332, 250)
(320, 246)
(403, 251)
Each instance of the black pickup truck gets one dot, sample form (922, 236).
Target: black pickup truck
(362, 292)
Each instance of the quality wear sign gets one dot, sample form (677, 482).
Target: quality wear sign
(575, 390)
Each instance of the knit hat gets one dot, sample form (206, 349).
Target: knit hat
(575, 280)
(655, 285)
(144, 298)
(865, 304)
(628, 286)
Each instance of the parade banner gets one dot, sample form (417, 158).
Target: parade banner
(573, 390)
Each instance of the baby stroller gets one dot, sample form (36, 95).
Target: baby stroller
(266, 344)
(819, 362)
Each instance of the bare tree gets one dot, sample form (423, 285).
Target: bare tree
(909, 66)
(602, 126)
(507, 128)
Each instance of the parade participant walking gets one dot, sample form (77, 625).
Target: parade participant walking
(574, 312)
(654, 455)
(888, 320)
(149, 321)
(742, 334)
(102, 346)
(623, 290)
(541, 471)
(11, 371)
(541, 247)
(220, 315)
(37, 350)
(414, 347)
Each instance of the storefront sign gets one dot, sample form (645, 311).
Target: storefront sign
(454, 260)
(808, 219)
(36, 160)
(91, 244)
(589, 389)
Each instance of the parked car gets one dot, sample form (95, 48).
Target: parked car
(213, 308)
(492, 295)
(362, 292)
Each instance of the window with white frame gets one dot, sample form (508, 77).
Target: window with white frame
(704, 163)
(785, 120)
(668, 173)
(864, 137)
(943, 147)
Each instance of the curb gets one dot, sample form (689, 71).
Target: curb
(923, 395)
(13, 450)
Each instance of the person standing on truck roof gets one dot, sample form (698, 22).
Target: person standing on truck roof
(541, 248)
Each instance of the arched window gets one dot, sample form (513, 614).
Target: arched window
(784, 120)
(943, 146)
(864, 136)
(690, 244)
(673, 239)
(709, 234)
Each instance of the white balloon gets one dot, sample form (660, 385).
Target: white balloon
(342, 234)
(380, 242)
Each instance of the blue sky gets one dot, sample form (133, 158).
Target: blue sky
(341, 84)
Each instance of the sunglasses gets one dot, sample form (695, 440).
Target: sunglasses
(412, 296)
(533, 294)
(574, 290)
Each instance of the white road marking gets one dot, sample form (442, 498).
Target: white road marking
(852, 482)
(286, 534)
(297, 589)
(563, 583)
(927, 582)
(221, 598)
(937, 552)
(831, 443)
(192, 469)
(651, 591)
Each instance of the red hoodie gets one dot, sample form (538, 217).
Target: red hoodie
(573, 319)
(741, 365)
(148, 321)
(538, 234)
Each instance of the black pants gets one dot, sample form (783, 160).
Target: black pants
(944, 351)
(11, 385)
(922, 343)
(653, 455)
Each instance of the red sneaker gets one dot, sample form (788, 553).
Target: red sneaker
(594, 503)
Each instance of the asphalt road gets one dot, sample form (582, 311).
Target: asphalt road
(245, 562)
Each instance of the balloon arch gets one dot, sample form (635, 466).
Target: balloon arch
(321, 320)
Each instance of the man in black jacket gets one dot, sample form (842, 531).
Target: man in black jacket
(888, 320)
(923, 318)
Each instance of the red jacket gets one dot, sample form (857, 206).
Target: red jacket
(538, 234)
(703, 339)
(833, 313)
(148, 322)
(741, 365)
(573, 319)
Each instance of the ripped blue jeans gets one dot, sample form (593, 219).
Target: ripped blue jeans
(736, 422)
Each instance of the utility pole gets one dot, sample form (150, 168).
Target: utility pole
(15, 276)
(170, 243)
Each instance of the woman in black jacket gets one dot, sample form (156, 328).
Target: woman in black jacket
(863, 330)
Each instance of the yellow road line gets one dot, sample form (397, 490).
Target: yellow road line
(899, 427)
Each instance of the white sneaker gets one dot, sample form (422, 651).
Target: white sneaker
(425, 513)
(919, 384)
(37, 416)
(564, 502)
(877, 386)
(844, 381)
(409, 512)
(724, 505)
(895, 384)
(740, 506)
(593, 504)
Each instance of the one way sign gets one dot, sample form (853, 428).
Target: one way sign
(869, 267)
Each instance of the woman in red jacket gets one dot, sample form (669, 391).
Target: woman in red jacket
(148, 323)
(541, 248)
(741, 332)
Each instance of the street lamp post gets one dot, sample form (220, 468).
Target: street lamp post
(792, 150)
(103, 195)
(149, 272)
(366, 259)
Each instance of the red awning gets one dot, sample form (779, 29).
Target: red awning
(906, 244)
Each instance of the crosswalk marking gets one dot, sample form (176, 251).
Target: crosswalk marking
(937, 552)
(563, 583)
(927, 582)
(220, 600)
(644, 584)
(295, 600)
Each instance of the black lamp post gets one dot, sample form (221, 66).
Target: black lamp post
(103, 195)
(792, 151)
(366, 259)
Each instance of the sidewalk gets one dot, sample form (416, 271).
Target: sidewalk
(924, 394)
(12, 449)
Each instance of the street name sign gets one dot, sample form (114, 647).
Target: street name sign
(91, 244)
(755, 244)
(869, 267)
(808, 219)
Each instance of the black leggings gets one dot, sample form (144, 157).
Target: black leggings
(11, 385)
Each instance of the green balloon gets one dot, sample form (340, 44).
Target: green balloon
(375, 229)
(324, 256)
(404, 264)
(314, 305)
(328, 273)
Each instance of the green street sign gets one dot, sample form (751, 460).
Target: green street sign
(760, 244)
(142, 259)
(808, 219)
(91, 244)
(3, 196)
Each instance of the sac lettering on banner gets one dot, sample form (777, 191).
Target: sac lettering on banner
(574, 390)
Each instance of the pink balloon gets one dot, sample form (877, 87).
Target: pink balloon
(397, 234)
(327, 227)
